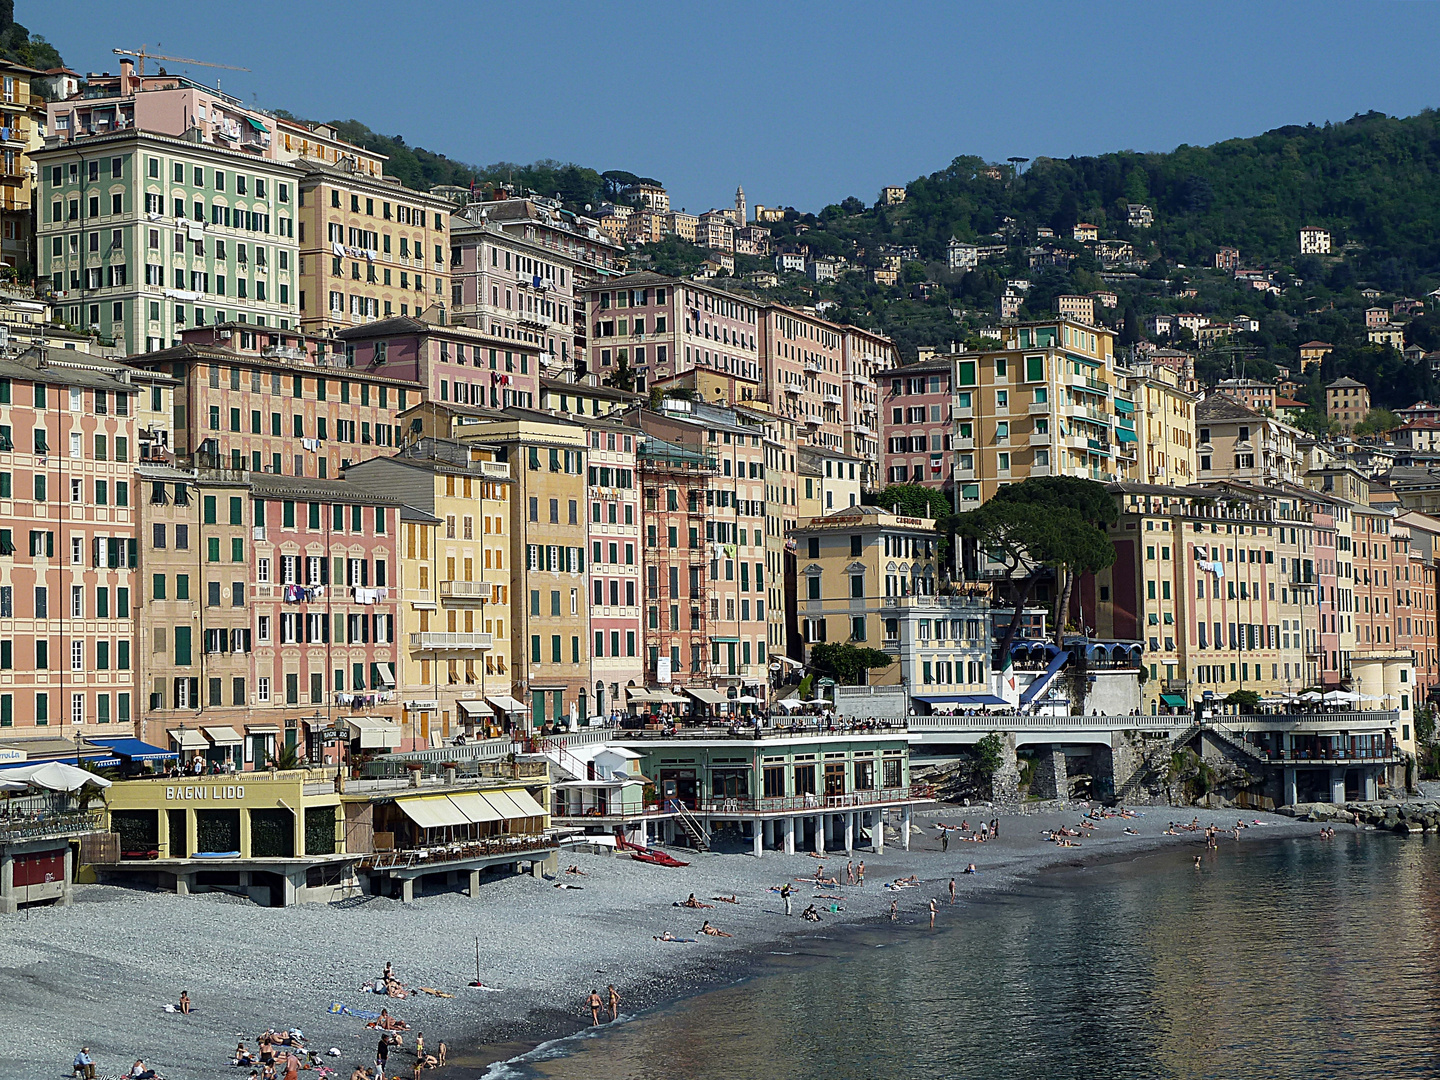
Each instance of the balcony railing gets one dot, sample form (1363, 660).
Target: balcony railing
(41, 825)
(432, 640)
(802, 803)
(458, 852)
(466, 590)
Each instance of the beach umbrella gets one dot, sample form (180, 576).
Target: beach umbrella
(790, 704)
(1309, 695)
(55, 776)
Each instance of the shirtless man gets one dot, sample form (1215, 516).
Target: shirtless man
(952, 890)
(594, 1003)
(712, 932)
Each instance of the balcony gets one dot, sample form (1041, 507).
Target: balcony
(964, 474)
(1040, 408)
(812, 368)
(832, 398)
(962, 412)
(963, 444)
(1040, 438)
(432, 640)
(498, 470)
(466, 590)
(794, 388)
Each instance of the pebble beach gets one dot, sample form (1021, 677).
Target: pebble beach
(100, 973)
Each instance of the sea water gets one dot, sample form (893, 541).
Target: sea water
(1293, 958)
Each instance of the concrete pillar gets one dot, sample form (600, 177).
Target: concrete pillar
(1372, 787)
(537, 868)
(68, 896)
(407, 890)
(820, 834)
(757, 838)
(474, 884)
(1291, 793)
(849, 833)
(182, 885)
(787, 826)
(1337, 785)
(8, 904)
(905, 827)
(291, 884)
(877, 833)
(767, 833)
(1005, 784)
(1051, 779)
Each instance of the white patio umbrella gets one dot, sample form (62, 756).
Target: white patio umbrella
(1309, 695)
(1340, 697)
(55, 776)
(790, 704)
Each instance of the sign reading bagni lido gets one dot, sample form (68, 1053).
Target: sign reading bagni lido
(205, 791)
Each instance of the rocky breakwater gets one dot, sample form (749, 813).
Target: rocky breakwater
(1401, 816)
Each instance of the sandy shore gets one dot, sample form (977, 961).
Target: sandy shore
(100, 972)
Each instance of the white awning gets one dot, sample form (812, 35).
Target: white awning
(634, 693)
(373, 731)
(709, 697)
(514, 803)
(432, 812)
(526, 802)
(262, 729)
(472, 708)
(475, 808)
(224, 736)
(189, 740)
(505, 703)
(387, 676)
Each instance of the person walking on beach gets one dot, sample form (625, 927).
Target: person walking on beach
(932, 913)
(952, 890)
(614, 1003)
(944, 840)
(895, 910)
(860, 874)
(382, 1055)
(995, 829)
(850, 870)
(785, 895)
(594, 1002)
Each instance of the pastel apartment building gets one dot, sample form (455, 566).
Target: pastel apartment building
(370, 248)
(868, 355)
(920, 433)
(454, 584)
(1347, 402)
(450, 363)
(327, 609)
(1314, 240)
(22, 117)
(278, 401)
(1045, 404)
(1235, 442)
(662, 327)
(615, 525)
(514, 287)
(804, 372)
(67, 548)
(143, 236)
(1081, 308)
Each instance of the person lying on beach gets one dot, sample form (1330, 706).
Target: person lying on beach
(566, 885)
(731, 899)
(667, 936)
(1131, 832)
(911, 880)
(386, 1022)
(576, 870)
(810, 914)
(692, 903)
(708, 929)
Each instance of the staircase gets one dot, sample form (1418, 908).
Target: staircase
(694, 828)
(1160, 756)
(1230, 738)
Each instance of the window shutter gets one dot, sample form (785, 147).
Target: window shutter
(324, 571)
(95, 559)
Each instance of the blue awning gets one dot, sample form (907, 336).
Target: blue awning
(135, 749)
(961, 699)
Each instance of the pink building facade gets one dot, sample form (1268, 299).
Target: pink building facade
(450, 363)
(803, 358)
(67, 550)
(326, 605)
(917, 432)
(613, 497)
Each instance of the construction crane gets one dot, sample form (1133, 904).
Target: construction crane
(143, 55)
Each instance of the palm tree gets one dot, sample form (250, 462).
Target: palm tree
(286, 757)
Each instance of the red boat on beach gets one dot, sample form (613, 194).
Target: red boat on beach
(656, 858)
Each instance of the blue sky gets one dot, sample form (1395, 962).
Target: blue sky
(803, 103)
